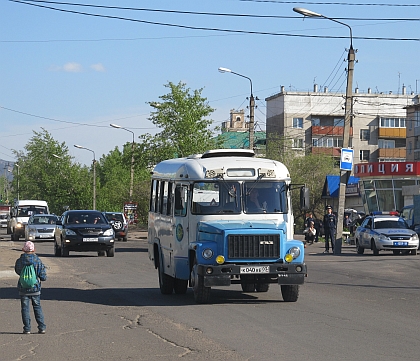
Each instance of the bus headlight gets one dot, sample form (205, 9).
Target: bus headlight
(207, 253)
(293, 253)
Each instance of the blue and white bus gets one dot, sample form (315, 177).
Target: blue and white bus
(224, 217)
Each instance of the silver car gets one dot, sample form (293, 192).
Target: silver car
(40, 227)
(386, 232)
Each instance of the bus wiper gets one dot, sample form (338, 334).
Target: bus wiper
(230, 190)
(248, 192)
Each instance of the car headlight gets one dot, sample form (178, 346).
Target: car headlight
(415, 237)
(207, 253)
(292, 254)
(382, 237)
(69, 232)
(19, 225)
(109, 232)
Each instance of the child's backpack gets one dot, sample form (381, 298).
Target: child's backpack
(28, 276)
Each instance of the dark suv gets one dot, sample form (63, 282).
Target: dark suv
(82, 231)
(119, 223)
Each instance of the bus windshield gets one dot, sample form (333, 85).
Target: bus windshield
(229, 197)
(265, 197)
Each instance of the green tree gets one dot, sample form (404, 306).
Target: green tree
(305, 168)
(47, 172)
(185, 129)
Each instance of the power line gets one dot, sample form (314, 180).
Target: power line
(68, 122)
(202, 13)
(326, 3)
(212, 29)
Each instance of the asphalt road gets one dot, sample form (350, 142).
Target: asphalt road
(352, 307)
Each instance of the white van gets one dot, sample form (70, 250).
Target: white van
(224, 217)
(20, 213)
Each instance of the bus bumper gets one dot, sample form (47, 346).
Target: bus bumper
(227, 274)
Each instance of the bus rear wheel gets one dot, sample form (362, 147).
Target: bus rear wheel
(166, 282)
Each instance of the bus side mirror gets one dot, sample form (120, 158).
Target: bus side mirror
(304, 198)
(179, 202)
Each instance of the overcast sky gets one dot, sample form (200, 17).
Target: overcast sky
(74, 74)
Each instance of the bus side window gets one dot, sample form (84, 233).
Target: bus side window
(181, 200)
(169, 205)
(152, 196)
(157, 195)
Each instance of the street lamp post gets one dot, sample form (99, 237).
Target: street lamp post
(17, 180)
(348, 122)
(94, 173)
(251, 107)
(132, 159)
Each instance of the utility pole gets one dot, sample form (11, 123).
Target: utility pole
(344, 174)
(251, 120)
(348, 123)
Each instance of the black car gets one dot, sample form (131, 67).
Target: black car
(119, 223)
(84, 230)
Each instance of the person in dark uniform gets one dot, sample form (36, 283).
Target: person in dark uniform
(330, 226)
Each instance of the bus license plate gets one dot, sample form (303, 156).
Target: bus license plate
(400, 243)
(252, 270)
(90, 240)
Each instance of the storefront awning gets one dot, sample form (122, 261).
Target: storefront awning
(332, 185)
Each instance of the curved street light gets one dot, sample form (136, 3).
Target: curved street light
(94, 173)
(251, 106)
(348, 121)
(132, 159)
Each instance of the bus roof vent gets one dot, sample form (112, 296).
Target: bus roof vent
(228, 153)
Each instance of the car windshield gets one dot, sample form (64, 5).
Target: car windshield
(397, 223)
(85, 218)
(26, 211)
(44, 219)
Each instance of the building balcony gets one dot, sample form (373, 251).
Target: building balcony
(392, 133)
(329, 130)
(392, 153)
(335, 152)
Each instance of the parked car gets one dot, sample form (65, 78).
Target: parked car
(84, 230)
(389, 232)
(40, 227)
(119, 223)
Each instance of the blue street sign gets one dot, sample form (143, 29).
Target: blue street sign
(346, 160)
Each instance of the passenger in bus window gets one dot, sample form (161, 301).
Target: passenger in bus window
(253, 204)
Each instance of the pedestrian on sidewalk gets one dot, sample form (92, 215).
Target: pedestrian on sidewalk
(32, 294)
(310, 233)
(330, 226)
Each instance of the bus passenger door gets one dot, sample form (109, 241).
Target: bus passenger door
(181, 231)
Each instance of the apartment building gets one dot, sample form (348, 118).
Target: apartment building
(314, 121)
(413, 131)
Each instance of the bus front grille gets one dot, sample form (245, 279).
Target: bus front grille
(255, 246)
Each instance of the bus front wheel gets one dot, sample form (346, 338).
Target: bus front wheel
(201, 293)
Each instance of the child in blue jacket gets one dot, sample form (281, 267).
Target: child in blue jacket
(31, 294)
